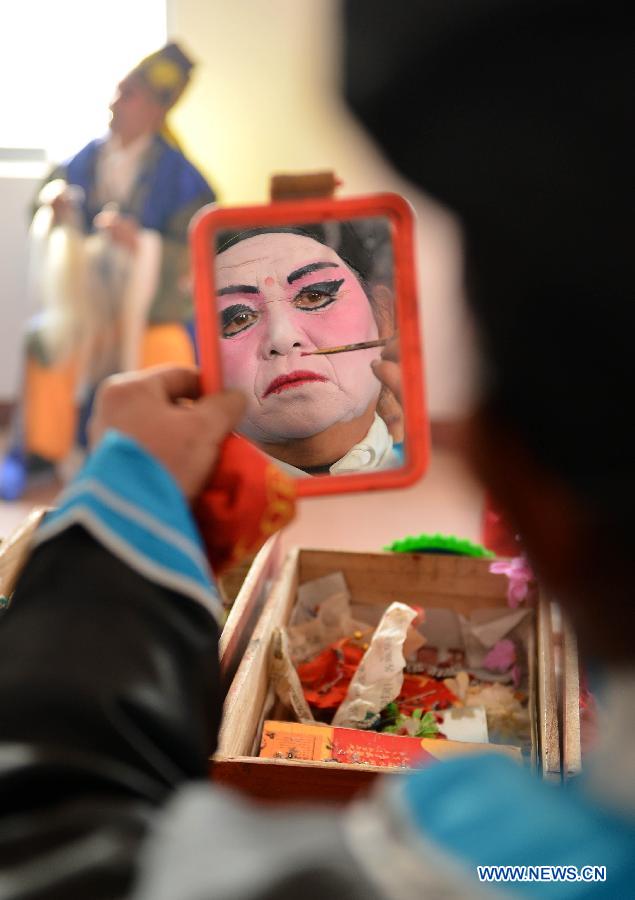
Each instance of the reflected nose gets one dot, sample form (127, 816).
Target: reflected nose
(283, 333)
(115, 100)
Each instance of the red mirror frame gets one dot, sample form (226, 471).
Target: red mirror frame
(398, 211)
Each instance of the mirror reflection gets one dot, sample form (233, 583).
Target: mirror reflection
(303, 312)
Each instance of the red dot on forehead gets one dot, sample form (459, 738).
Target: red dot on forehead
(269, 281)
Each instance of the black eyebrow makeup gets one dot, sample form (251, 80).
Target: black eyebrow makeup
(237, 289)
(328, 287)
(312, 267)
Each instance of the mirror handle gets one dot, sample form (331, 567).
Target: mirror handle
(303, 185)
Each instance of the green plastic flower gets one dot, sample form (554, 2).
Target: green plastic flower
(439, 543)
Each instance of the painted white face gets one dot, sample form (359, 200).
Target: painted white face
(281, 295)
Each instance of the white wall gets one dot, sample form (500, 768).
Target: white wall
(18, 184)
(264, 99)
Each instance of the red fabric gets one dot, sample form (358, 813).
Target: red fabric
(325, 680)
(497, 534)
(423, 692)
(326, 677)
(247, 500)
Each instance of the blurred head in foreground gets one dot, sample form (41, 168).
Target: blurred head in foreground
(518, 120)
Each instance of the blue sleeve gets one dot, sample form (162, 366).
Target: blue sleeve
(131, 504)
(487, 811)
(79, 170)
(176, 191)
(80, 164)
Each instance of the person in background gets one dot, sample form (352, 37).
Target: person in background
(110, 267)
(109, 694)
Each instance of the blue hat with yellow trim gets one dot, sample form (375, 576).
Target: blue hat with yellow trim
(166, 73)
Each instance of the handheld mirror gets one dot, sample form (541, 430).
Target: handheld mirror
(294, 301)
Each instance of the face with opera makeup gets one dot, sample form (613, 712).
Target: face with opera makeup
(282, 295)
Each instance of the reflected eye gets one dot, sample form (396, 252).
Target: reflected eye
(317, 296)
(237, 318)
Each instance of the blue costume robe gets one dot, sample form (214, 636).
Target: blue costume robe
(167, 192)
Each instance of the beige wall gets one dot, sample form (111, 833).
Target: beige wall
(265, 99)
(18, 185)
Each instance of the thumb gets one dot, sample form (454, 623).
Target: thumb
(389, 374)
(223, 410)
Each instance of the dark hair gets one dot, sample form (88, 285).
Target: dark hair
(365, 245)
(230, 237)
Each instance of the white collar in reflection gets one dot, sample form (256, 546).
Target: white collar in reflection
(373, 453)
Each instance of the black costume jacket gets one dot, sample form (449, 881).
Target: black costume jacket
(103, 713)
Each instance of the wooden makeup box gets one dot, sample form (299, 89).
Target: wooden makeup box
(463, 584)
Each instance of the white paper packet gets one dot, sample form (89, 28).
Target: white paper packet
(379, 677)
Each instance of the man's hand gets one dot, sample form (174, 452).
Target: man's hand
(123, 230)
(164, 411)
(64, 199)
(387, 369)
(63, 208)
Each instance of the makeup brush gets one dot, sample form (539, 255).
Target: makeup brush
(345, 348)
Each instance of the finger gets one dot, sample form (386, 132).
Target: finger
(174, 382)
(389, 374)
(223, 411)
(104, 218)
(391, 350)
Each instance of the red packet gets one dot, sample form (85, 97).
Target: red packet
(248, 499)
(323, 743)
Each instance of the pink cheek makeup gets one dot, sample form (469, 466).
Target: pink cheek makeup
(348, 318)
(349, 328)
